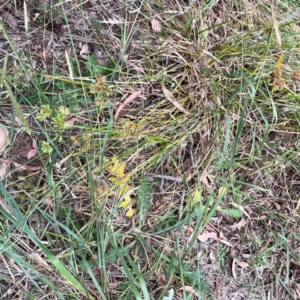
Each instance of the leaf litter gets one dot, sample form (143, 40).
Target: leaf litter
(167, 94)
(32, 152)
(126, 102)
(215, 40)
(8, 18)
(155, 25)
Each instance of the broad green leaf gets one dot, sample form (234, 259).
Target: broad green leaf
(232, 212)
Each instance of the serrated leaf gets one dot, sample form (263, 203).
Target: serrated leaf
(232, 212)
(144, 197)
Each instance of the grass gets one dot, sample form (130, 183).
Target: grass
(167, 162)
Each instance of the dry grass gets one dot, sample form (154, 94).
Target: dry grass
(202, 114)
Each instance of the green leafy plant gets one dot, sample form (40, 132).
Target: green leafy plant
(44, 113)
(59, 121)
(144, 196)
(96, 24)
(232, 212)
(46, 147)
(63, 91)
(193, 278)
(93, 67)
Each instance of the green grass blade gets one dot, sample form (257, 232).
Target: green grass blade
(135, 271)
(3, 73)
(17, 108)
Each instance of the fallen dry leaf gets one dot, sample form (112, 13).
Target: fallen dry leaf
(218, 21)
(32, 152)
(189, 289)
(226, 242)
(222, 236)
(210, 228)
(68, 49)
(207, 235)
(128, 100)
(205, 181)
(3, 168)
(239, 225)
(10, 20)
(44, 54)
(35, 16)
(212, 256)
(40, 260)
(155, 25)
(233, 268)
(242, 264)
(169, 295)
(161, 278)
(173, 101)
(84, 49)
(190, 231)
(24, 167)
(71, 121)
(3, 138)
